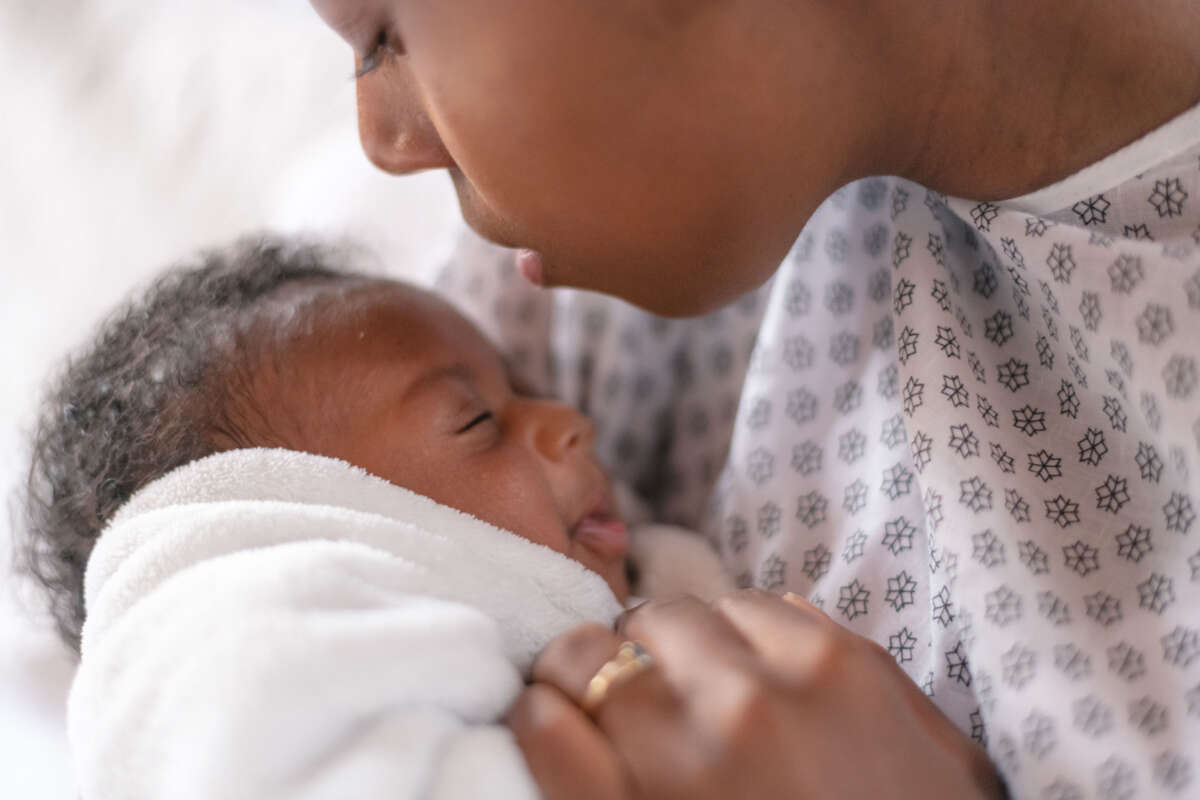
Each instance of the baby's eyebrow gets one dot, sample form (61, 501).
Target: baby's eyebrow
(518, 383)
(457, 371)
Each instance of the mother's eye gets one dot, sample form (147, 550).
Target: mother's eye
(484, 417)
(383, 46)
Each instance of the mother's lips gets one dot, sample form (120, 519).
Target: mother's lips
(529, 264)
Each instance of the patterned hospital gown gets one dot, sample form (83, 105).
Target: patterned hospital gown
(969, 431)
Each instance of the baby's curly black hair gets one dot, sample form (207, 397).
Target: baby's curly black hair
(147, 396)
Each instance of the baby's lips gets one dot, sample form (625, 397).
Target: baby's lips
(529, 264)
(608, 538)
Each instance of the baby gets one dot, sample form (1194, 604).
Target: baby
(269, 344)
(222, 653)
(392, 379)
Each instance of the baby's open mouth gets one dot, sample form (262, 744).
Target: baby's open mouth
(602, 532)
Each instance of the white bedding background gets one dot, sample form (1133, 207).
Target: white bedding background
(134, 132)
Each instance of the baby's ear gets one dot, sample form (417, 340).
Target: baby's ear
(630, 505)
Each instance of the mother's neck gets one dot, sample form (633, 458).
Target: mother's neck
(996, 98)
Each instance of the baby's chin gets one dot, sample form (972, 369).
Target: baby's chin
(620, 579)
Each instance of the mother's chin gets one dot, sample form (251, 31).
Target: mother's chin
(676, 269)
(683, 282)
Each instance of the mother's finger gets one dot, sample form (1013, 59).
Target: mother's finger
(688, 638)
(639, 711)
(791, 636)
(572, 658)
(567, 755)
(571, 661)
(795, 638)
(802, 643)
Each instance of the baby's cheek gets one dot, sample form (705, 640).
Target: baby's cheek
(520, 502)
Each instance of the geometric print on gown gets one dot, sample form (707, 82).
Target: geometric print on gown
(969, 433)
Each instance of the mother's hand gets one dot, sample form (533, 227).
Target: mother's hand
(753, 697)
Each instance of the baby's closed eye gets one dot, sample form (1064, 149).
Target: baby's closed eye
(477, 420)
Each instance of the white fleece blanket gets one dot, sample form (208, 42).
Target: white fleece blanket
(268, 624)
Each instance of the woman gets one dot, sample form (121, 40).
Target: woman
(968, 429)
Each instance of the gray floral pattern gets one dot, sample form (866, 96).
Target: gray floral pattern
(969, 433)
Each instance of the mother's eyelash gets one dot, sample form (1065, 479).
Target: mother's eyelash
(375, 56)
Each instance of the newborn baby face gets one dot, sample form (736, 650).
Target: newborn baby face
(394, 380)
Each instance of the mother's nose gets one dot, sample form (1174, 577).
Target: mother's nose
(396, 132)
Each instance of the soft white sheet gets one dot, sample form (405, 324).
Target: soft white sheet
(273, 624)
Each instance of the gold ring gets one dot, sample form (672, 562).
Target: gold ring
(630, 660)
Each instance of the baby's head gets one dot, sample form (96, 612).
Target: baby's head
(269, 344)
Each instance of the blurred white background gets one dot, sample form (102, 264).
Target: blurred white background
(136, 131)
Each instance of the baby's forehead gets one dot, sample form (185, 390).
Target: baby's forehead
(372, 303)
(352, 352)
(392, 320)
(416, 311)
(399, 302)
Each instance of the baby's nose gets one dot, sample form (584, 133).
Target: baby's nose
(560, 430)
